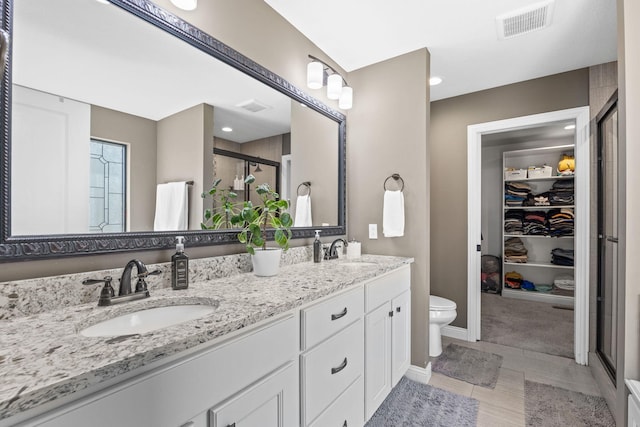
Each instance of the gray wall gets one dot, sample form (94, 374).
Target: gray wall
(388, 132)
(449, 121)
(140, 134)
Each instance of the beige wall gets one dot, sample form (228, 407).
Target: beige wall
(140, 134)
(257, 31)
(314, 158)
(185, 153)
(449, 121)
(629, 126)
(387, 132)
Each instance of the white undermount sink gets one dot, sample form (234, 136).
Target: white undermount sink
(147, 320)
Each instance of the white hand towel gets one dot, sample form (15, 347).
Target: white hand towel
(393, 214)
(303, 212)
(172, 207)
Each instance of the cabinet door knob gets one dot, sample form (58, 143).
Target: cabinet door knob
(391, 313)
(339, 368)
(345, 424)
(339, 315)
(232, 425)
(398, 309)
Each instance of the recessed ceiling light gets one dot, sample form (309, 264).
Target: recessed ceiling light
(227, 129)
(185, 4)
(569, 127)
(435, 80)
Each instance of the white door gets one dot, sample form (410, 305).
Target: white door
(50, 159)
(401, 336)
(377, 358)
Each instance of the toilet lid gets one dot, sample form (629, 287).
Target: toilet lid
(439, 303)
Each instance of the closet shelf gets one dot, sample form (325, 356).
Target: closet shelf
(539, 264)
(534, 236)
(546, 178)
(537, 208)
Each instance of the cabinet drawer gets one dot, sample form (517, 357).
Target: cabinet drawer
(385, 288)
(326, 318)
(330, 368)
(347, 410)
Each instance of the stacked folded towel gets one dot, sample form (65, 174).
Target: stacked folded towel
(535, 223)
(561, 192)
(561, 222)
(513, 222)
(515, 193)
(514, 250)
(561, 256)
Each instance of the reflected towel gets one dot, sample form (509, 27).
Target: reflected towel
(303, 212)
(393, 214)
(172, 207)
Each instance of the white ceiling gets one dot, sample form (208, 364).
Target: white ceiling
(461, 36)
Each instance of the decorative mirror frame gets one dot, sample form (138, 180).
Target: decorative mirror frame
(20, 248)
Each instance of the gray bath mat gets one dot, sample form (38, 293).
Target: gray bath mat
(466, 364)
(414, 404)
(549, 406)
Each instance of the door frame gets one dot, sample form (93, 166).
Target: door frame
(582, 193)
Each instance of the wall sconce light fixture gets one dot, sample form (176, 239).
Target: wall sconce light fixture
(185, 4)
(319, 74)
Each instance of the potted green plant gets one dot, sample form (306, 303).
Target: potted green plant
(223, 207)
(254, 221)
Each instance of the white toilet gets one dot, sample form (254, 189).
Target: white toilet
(441, 312)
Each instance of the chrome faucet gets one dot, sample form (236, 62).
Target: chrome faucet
(332, 253)
(107, 295)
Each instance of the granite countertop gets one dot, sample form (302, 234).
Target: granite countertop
(43, 357)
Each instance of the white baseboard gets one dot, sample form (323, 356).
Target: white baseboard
(455, 332)
(421, 375)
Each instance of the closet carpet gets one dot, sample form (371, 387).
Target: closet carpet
(529, 325)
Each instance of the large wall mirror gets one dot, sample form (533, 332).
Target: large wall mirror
(104, 104)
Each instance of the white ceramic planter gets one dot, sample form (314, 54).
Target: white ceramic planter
(266, 262)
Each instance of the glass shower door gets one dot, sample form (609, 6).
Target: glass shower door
(607, 296)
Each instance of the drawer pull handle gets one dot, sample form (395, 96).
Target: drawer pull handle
(232, 425)
(398, 309)
(339, 315)
(339, 368)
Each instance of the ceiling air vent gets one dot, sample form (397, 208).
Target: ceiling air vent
(522, 21)
(253, 105)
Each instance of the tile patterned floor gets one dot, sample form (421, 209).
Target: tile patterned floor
(504, 405)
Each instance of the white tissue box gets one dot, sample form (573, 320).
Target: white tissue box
(354, 250)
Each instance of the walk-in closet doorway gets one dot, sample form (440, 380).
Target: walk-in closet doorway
(486, 133)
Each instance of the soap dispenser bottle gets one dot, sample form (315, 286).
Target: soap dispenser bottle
(180, 266)
(317, 248)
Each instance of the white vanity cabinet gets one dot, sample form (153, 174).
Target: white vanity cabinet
(387, 335)
(332, 361)
(178, 393)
